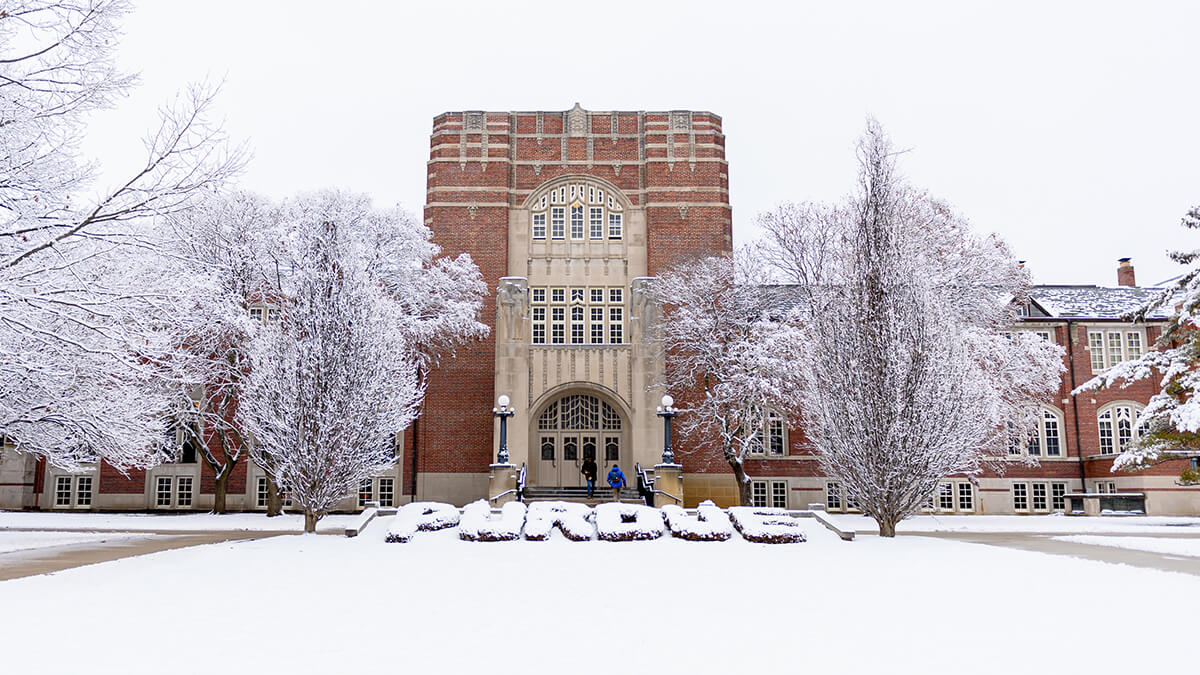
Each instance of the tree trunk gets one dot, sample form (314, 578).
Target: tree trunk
(220, 489)
(739, 474)
(310, 520)
(887, 527)
(274, 498)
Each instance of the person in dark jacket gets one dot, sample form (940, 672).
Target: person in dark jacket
(589, 473)
(616, 480)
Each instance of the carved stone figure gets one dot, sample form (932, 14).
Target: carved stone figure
(645, 303)
(512, 297)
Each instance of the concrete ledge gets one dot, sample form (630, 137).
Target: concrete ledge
(364, 519)
(846, 535)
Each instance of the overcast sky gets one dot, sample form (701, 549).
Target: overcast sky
(1068, 128)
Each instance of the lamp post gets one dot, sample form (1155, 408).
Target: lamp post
(503, 412)
(666, 411)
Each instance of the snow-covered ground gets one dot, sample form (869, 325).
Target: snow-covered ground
(319, 604)
(1048, 524)
(164, 522)
(23, 541)
(1166, 545)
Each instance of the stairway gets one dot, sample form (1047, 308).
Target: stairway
(541, 493)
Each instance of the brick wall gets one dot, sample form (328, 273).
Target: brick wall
(482, 164)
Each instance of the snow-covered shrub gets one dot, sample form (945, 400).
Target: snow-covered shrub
(573, 519)
(628, 522)
(421, 517)
(709, 524)
(766, 526)
(478, 523)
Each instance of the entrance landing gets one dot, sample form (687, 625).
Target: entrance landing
(601, 494)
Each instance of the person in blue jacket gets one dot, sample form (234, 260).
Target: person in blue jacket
(616, 480)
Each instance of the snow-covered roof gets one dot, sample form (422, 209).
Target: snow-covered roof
(1096, 302)
(1058, 302)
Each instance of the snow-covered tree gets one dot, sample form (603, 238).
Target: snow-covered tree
(365, 309)
(1170, 424)
(906, 372)
(81, 368)
(727, 345)
(225, 248)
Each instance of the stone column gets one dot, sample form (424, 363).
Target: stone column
(668, 478)
(501, 479)
(512, 364)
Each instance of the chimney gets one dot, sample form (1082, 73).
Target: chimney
(1125, 273)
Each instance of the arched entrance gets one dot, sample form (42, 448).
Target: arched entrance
(571, 429)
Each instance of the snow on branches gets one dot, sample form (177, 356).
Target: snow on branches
(728, 342)
(224, 247)
(906, 375)
(83, 360)
(1169, 426)
(365, 308)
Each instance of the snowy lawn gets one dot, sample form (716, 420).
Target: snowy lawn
(167, 522)
(320, 604)
(1048, 524)
(1165, 545)
(24, 541)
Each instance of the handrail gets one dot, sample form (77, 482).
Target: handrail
(646, 487)
(519, 490)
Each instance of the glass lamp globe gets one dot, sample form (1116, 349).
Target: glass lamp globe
(667, 401)
(503, 400)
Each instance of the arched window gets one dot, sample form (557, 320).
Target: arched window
(1118, 429)
(579, 422)
(593, 214)
(1045, 438)
(579, 412)
(771, 438)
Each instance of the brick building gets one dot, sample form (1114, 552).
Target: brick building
(568, 214)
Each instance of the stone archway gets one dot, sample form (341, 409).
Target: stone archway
(571, 428)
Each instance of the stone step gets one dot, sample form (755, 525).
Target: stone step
(543, 493)
(597, 497)
(539, 490)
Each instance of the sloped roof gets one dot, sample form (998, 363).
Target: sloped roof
(1096, 302)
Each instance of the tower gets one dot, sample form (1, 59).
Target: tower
(568, 215)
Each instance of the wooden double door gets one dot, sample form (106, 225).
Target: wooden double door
(571, 430)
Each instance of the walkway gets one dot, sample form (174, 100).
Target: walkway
(1044, 543)
(50, 559)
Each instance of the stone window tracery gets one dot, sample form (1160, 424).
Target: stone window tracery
(588, 208)
(1045, 438)
(1117, 427)
(579, 412)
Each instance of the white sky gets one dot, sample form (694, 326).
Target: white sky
(1068, 128)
